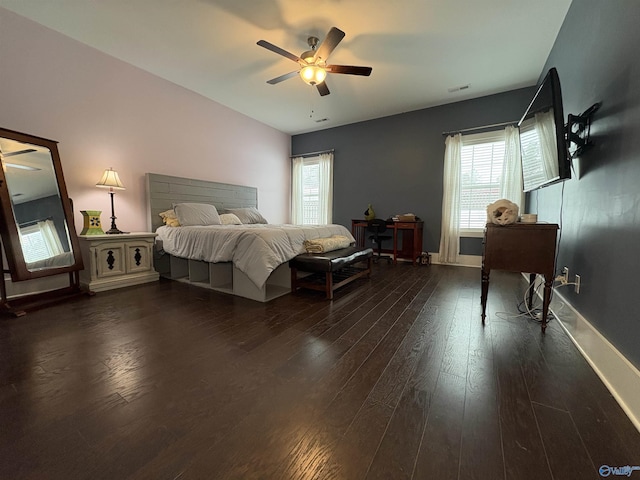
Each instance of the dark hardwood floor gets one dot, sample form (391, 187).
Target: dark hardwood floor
(394, 379)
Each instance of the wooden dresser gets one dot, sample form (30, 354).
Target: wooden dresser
(520, 247)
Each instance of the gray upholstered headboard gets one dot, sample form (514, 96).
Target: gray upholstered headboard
(163, 191)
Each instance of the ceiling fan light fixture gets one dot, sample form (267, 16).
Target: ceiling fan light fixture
(308, 56)
(313, 67)
(313, 74)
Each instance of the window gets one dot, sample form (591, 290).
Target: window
(310, 194)
(40, 241)
(482, 160)
(312, 190)
(478, 170)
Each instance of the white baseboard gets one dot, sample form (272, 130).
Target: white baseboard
(618, 374)
(465, 260)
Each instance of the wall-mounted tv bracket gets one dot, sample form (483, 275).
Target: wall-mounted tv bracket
(578, 130)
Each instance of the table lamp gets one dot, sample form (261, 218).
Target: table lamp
(111, 181)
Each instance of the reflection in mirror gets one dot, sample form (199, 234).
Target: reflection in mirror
(36, 204)
(36, 224)
(539, 150)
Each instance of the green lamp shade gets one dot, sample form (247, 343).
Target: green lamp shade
(92, 224)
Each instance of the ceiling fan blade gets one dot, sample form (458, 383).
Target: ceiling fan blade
(331, 41)
(349, 70)
(19, 152)
(282, 78)
(279, 51)
(323, 89)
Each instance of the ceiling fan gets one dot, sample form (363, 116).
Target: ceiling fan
(313, 63)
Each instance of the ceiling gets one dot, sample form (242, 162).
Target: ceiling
(419, 49)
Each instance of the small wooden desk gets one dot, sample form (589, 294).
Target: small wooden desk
(520, 247)
(411, 243)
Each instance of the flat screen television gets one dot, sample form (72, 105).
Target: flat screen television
(543, 146)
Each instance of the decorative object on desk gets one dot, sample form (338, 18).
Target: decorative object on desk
(528, 218)
(369, 214)
(502, 212)
(91, 222)
(407, 217)
(111, 181)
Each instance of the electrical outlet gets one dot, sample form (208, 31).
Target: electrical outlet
(565, 275)
(577, 284)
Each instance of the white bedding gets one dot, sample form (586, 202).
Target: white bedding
(256, 249)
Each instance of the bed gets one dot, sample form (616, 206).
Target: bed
(246, 260)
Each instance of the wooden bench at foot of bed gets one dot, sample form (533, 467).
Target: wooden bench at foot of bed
(330, 270)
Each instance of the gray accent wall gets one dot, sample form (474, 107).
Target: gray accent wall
(596, 55)
(396, 163)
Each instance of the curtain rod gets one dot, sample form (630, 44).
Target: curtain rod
(34, 222)
(311, 153)
(503, 124)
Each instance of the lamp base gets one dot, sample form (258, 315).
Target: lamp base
(114, 231)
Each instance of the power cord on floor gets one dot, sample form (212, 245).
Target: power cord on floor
(535, 313)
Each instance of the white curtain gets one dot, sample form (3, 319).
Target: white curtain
(450, 233)
(324, 209)
(325, 161)
(296, 190)
(51, 237)
(511, 187)
(545, 126)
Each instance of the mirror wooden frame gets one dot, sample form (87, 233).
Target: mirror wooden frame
(11, 237)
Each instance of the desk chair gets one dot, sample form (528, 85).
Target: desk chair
(376, 227)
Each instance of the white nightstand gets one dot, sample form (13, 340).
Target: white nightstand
(114, 261)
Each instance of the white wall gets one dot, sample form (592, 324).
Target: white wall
(107, 113)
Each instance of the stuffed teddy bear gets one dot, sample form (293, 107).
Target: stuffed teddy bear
(169, 218)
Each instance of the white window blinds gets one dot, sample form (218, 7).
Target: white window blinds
(481, 170)
(40, 241)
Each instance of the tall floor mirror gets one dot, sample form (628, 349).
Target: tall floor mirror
(36, 220)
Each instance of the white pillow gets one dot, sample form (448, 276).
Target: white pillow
(190, 214)
(248, 215)
(229, 219)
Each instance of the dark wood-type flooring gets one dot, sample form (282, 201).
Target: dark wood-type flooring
(394, 379)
